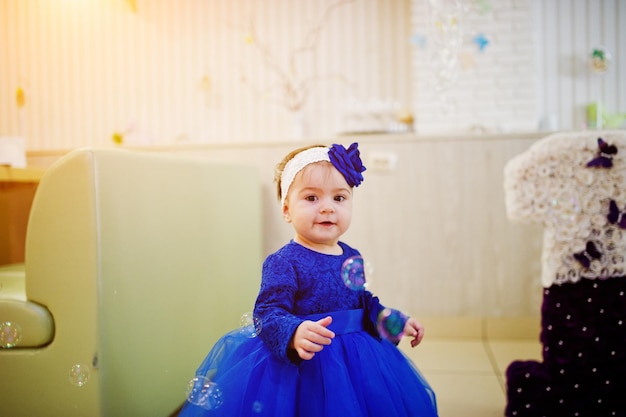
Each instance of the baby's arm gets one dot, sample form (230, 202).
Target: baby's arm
(414, 329)
(311, 336)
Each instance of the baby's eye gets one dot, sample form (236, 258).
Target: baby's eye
(310, 198)
(340, 198)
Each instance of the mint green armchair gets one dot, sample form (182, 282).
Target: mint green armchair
(135, 264)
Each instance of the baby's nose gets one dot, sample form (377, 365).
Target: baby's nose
(327, 206)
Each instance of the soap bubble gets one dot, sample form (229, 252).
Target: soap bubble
(257, 407)
(79, 375)
(203, 392)
(391, 324)
(10, 334)
(250, 325)
(564, 209)
(356, 273)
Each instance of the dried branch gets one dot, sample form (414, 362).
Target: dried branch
(291, 91)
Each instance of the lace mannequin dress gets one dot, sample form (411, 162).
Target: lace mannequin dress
(575, 185)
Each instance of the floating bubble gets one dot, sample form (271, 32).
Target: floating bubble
(391, 324)
(356, 273)
(10, 334)
(79, 375)
(257, 407)
(565, 209)
(203, 392)
(250, 325)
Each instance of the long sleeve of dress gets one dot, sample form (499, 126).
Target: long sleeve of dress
(275, 304)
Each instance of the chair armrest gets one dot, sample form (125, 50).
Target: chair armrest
(33, 323)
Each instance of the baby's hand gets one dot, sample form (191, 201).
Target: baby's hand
(311, 336)
(414, 329)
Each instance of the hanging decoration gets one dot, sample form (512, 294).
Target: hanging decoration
(20, 101)
(419, 40)
(599, 61)
(483, 6)
(453, 42)
(447, 43)
(117, 138)
(120, 137)
(205, 88)
(20, 98)
(132, 4)
(481, 41)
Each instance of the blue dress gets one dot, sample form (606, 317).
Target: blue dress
(359, 374)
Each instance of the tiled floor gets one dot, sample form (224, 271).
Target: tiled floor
(464, 360)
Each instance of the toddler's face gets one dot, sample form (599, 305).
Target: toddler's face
(319, 205)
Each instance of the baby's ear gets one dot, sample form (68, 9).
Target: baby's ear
(286, 215)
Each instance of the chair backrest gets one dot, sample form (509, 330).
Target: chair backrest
(575, 184)
(144, 260)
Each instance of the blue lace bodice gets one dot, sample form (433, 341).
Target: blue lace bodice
(298, 281)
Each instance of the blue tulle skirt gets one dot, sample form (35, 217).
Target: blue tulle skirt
(356, 375)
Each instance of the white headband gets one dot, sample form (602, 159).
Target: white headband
(296, 164)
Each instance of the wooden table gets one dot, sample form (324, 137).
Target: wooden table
(17, 190)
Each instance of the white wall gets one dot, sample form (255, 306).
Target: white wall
(164, 72)
(568, 30)
(433, 226)
(458, 85)
(534, 69)
(432, 222)
(172, 71)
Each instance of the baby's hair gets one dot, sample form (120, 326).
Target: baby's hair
(278, 172)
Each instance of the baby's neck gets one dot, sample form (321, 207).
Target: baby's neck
(325, 248)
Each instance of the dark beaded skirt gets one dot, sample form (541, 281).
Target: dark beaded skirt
(583, 372)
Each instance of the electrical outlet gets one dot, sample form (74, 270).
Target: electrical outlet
(382, 161)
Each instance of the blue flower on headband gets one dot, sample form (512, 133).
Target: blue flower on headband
(348, 162)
